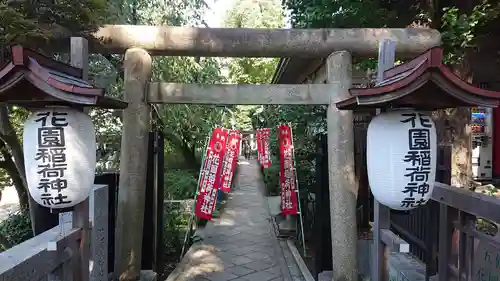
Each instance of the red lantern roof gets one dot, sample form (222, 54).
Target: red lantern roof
(422, 83)
(33, 80)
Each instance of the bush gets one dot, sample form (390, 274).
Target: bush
(174, 226)
(272, 178)
(15, 230)
(174, 221)
(180, 184)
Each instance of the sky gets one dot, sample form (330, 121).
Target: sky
(217, 11)
(218, 8)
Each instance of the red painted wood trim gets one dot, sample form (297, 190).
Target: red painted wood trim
(346, 102)
(17, 52)
(44, 75)
(496, 142)
(390, 87)
(432, 61)
(73, 88)
(398, 69)
(6, 69)
(446, 72)
(21, 55)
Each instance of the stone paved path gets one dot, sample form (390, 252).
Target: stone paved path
(243, 237)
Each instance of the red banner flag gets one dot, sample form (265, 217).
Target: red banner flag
(288, 187)
(265, 159)
(230, 159)
(211, 174)
(237, 151)
(258, 137)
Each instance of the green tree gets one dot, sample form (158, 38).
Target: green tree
(29, 23)
(252, 14)
(306, 121)
(187, 126)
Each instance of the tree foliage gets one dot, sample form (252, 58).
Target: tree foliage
(185, 126)
(30, 23)
(252, 14)
(339, 14)
(255, 14)
(462, 24)
(460, 30)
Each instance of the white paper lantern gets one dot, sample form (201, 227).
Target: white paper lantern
(401, 158)
(60, 156)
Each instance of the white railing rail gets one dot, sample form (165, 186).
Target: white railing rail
(64, 253)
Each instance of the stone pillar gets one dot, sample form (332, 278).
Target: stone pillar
(133, 161)
(343, 186)
(98, 206)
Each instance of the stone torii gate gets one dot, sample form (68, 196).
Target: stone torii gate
(139, 42)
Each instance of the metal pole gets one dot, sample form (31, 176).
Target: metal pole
(298, 193)
(191, 217)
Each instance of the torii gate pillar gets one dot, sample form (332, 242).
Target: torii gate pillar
(133, 159)
(342, 184)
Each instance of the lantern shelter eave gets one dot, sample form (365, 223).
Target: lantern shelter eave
(32, 80)
(423, 83)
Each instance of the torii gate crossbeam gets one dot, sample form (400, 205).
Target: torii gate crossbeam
(253, 42)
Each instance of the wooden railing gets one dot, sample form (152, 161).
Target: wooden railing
(76, 249)
(458, 238)
(463, 251)
(446, 234)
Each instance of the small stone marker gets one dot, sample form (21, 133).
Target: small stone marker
(486, 262)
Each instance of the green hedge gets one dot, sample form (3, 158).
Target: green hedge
(180, 184)
(272, 179)
(15, 230)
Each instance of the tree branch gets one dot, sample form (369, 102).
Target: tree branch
(8, 134)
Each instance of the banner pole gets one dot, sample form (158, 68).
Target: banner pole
(298, 194)
(191, 217)
(219, 189)
(279, 174)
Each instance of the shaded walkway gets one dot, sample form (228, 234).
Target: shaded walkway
(241, 244)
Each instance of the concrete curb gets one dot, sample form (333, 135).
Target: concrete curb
(300, 262)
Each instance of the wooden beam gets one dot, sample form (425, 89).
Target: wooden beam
(238, 93)
(254, 42)
(79, 55)
(394, 242)
(474, 203)
(382, 213)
